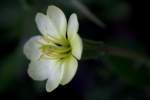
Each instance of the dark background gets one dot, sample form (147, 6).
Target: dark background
(103, 78)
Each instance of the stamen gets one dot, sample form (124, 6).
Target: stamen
(55, 41)
(56, 51)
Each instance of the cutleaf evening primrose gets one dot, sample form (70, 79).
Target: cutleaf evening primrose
(55, 52)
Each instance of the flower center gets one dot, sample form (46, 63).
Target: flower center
(56, 51)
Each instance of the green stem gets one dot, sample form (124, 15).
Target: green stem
(115, 51)
(102, 48)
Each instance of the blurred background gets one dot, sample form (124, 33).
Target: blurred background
(119, 23)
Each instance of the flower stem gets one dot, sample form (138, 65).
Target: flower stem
(115, 51)
(96, 47)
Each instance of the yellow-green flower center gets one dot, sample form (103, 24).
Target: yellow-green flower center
(56, 51)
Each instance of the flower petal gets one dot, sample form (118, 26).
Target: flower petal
(73, 37)
(76, 46)
(55, 76)
(46, 27)
(58, 19)
(73, 26)
(39, 69)
(70, 67)
(31, 48)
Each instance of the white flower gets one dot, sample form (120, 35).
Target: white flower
(54, 54)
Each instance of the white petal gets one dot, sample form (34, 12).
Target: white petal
(70, 67)
(46, 26)
(73, 37)
(31, 48)
(58, 18)
(55, 76)
(39, 69)
(76, 46)
(73, 26)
